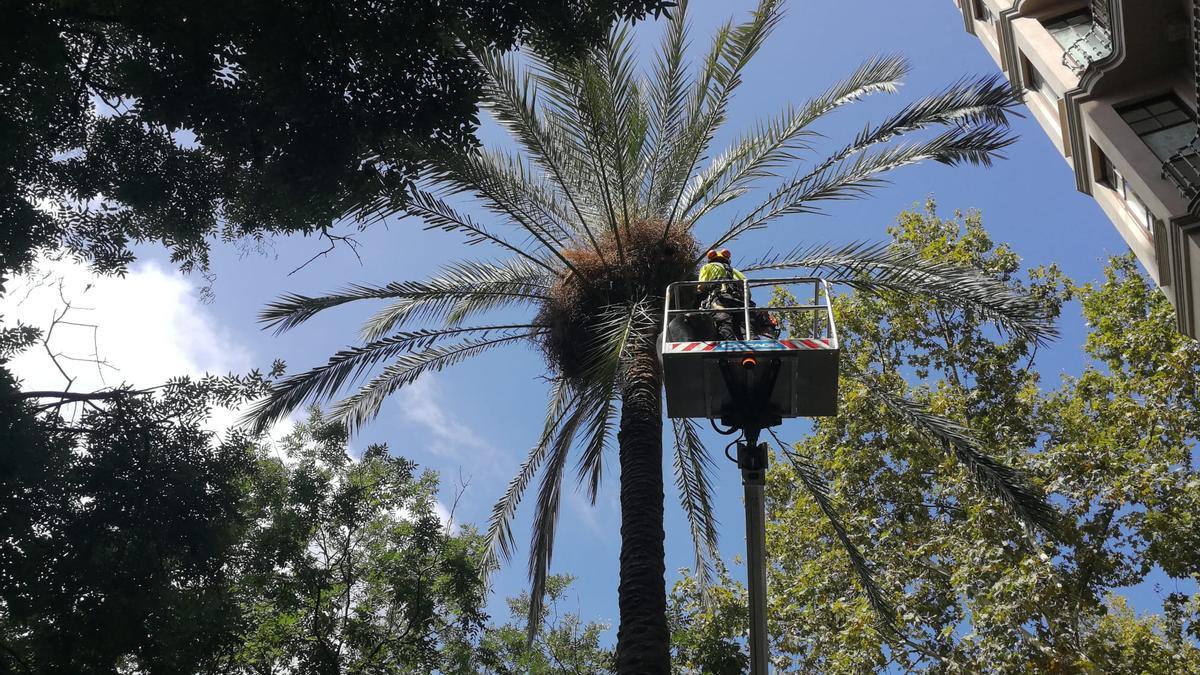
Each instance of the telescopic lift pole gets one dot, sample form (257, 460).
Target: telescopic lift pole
(750, 388)
(752, 460)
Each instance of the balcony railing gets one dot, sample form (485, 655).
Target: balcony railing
(1093, 45)
(1183, 167)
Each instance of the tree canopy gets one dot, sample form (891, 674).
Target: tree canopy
(175, 122)
(1115, 445)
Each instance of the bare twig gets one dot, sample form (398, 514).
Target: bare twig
(463, 484)
(333, 241)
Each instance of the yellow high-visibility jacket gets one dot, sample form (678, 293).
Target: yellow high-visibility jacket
(715, 271)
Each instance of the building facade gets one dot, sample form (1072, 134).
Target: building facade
(1114, 85)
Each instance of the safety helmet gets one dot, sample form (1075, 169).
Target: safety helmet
(722, 255)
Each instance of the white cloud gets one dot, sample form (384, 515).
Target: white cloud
(146, 328)
(422, 404)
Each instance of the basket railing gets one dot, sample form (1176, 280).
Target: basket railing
(819, 310)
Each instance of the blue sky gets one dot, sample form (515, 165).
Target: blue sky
(478, 420)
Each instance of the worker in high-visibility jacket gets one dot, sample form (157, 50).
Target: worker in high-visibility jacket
(729, 295)
(718, 295)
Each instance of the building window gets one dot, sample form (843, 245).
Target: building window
(1109, 177)
(1163, 123)
(1034, 80)
(982, 11)
(1167, 128)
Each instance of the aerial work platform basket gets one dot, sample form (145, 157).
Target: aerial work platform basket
(751, 385)
(792, 375)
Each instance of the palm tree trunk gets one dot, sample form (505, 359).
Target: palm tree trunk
(643, 642)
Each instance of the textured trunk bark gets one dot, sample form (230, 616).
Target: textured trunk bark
(643, 642)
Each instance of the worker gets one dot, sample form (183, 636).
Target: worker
(723, 295)
(729, 296)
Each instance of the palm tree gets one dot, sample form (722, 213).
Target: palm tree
(607, 198)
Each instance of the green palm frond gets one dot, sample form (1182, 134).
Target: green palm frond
(1008, 485)
(983, 103)
(439, 215)
(348, 365)
(693, 466)
(667, 95)
(545, 517)
(512, 97)
(855, 178)
(623, 119)
(462, 290)
(773, 143)
(708, 105)
(872, 268)
(597, 110)
(364, 405)
(605, 358)
(516, 281)
(499, 537)
(508, 189)
(818, 488)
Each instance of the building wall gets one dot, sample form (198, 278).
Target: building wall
(1079, 109)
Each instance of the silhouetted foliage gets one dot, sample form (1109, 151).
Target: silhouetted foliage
(116, 529)
(174, 122)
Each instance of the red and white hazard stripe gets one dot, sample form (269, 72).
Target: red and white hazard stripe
(749, 345)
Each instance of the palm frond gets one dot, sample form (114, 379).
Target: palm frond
(982, 104)
(364, 405)
(507, 187)
(872, 268)
(499, 538)
(708, 105)
(667, 91)
(439, 215)
(545, 518)
(511, 96)
(604, 357)
(692, 466)
(816, 486)
(1008, 485)
(856, 177)
(575, 110)
(348, 365)
(757, 154)
(516, 280)
(462, 290)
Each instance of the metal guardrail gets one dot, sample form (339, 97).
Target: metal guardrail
(821, 308)
(1093, 45)
(1182, 169)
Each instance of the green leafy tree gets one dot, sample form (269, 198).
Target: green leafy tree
(609, 194)
(299, 111)
(564, 643)
(117, 528)
(1115, 444)
(348, 568)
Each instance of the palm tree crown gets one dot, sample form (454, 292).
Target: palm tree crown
(599, 212)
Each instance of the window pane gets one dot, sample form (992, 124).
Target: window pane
(1136, 206)
(1146, 127)
(1172, 118)
(1163, 106)
(1167, 142)
(1135, 115)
